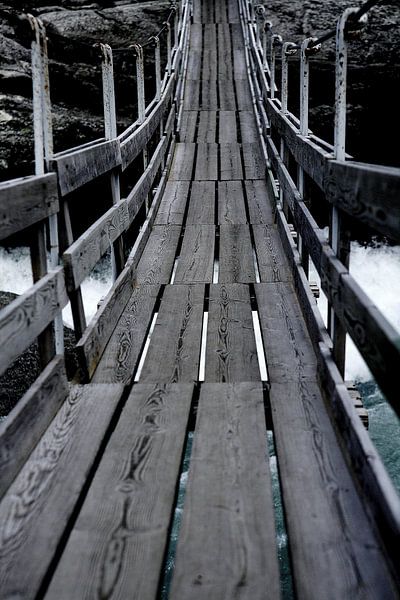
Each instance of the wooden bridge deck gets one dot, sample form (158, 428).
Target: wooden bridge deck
(214, 250)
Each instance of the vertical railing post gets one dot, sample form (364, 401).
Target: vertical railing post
(141, 100)
(169, 48)
(339, 238)
(43, 141)
(260, 13)
(110, 130)
(266, 32)
(275, 39)
(288, 49)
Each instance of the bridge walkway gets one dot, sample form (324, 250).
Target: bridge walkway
(212, 277)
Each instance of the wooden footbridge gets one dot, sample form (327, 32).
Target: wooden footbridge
(210, 326)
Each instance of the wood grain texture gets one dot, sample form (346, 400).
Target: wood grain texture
(196, 260)
(271, 259)
(116, 548)
(182, 162)
(228, 506)
(253, 161)
(82, 166)
(174, 350)
(24, 426)
(187, 132)
(26, 201)
(207, 129)
(207, 162)
(226, 91)
(236, 259)
(80, 258)
(35, 511)
(173, 203)
(121, 355)
(96, 336)
(27, 316)
(248, 125)
(231, 353)
(227, 132)
(157, 261)
(202, 203)
(344, 559)
(231, 162)
(243, 95)
(259, 202)
(231, 206)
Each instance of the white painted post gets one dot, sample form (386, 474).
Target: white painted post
(274, 40)
(288, 49)
(43, 137)
(169, 48)
(110, 131)
(266, 31)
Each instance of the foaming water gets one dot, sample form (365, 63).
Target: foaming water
(16, 277)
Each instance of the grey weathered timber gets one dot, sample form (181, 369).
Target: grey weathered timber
(80, 258)
(97, 335)
(239, 65)
(271, 259)
(121, 355)
(202, 203)
(231, 162)
(231, 207)
(157, 261)
(231, 353)
(368, 192)
(228, 507)
(173, 203)
(196, 260)
(192, 91)
(233, 14)
(26, 317)
(248, 126)
(226, 94)
(236, 259)
(35, 511)
(26, 201)
(209, 74)
(288, 349)
(174, 350)
(132, 145)
(82, 166)
(182, 162)
(243, 95)
(117, 545)
(259, 202)
(207, 129)
(227, 127)
(207, 162)
(253, 161)
(209, 93)
(188, 126)
(24, 426)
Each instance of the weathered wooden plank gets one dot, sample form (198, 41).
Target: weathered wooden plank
(259, 202)
(239, 65)
(220, 12)
(197, 12)
(231, 162)
(86, 251)
(231, 353)
(344, 559)
(196, 261)
(209, 72)
(182, 162)
(254, 163)
(122, 353)
(26, 201)
(233, 16)
(191, 99)
(368, 192)
(35, 511)
(174, 350)
(207, 162)
(196, 38)
(228, 507)
(248, 126)
(173, 203)
(187, 130)
(82, 166)
(133, 490)
(96, 336)
(227, 131)
(207, 131)
(231, 207)
(287, 345)
(194, 69)
(24, 426)
(27, 316)
(157, 261)
(243, 95)
(226, 93)
(209, 95)
(236, 259)
(202, 203)
(271, 259)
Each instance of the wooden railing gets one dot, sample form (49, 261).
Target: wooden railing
(29, 205)
(367, 193)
